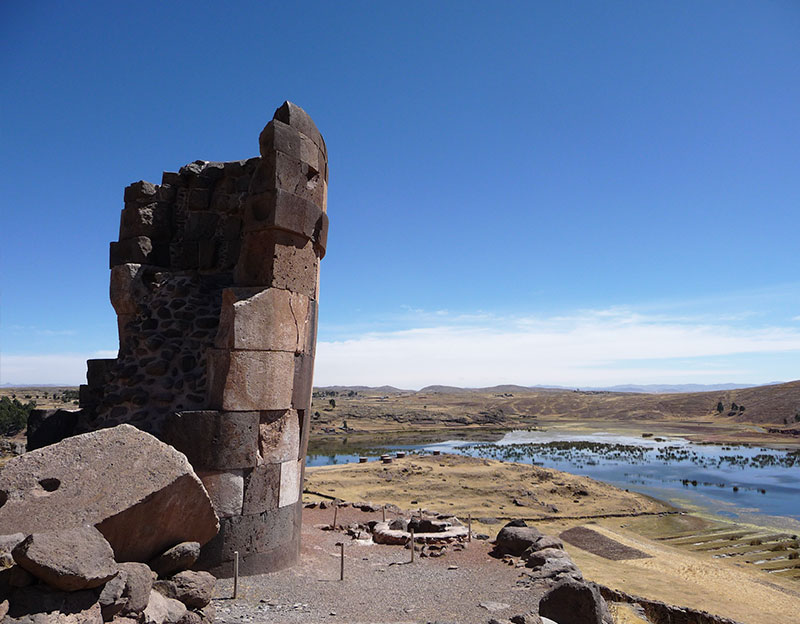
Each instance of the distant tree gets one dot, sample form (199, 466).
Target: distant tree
(14, 415)
(332, 402)
(720, 407)
(741, 408)
(734, 407)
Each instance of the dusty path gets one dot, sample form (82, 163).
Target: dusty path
(380, 585)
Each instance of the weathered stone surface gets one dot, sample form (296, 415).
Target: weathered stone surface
(303, 384)
(137, 250)
(282, 210)
(215, 440)
(273, 258)
(262, 320)
(140, 192)
(279, 436)
(111, 599)
(68, 559)
(292, 115)
(151, 220)
(250, 380)
(261, 489)
(141, 494)
(515, 540)
(279, 171)
(7, 544)
(162, 610)
(138, 583)
(226, 490)
(178, 558)
(291, 481)
(274, 534)
(541, 557)
(194, 589)
(281, 137)
(574, 602)
(126, 287)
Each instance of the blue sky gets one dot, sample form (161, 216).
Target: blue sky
(576, 193)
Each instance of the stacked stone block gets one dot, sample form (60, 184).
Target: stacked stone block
(215, 280)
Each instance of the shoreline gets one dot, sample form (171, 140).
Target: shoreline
(710, 510)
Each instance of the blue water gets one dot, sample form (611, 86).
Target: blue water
(739, 482)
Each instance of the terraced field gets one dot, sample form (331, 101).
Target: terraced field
(772, 552)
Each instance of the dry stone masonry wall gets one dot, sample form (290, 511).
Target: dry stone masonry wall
(215, 280)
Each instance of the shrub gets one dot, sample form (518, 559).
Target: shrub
(13, 415)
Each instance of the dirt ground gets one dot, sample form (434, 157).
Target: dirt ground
(381, 584)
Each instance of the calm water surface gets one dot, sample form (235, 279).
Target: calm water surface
(746, 483)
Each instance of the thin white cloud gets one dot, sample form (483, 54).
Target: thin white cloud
(60, 368)
(590, 348)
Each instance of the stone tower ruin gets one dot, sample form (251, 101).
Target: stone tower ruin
(215, 280)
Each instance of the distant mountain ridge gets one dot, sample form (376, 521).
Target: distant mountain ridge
(513, 388)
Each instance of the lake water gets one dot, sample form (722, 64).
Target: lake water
(755, 484)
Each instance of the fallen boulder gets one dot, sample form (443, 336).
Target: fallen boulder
(194, 589)
(68, 560)
(514, 539)
(574, 602)
(140, 493)
(178, 558)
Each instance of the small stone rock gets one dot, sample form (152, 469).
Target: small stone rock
(178, 558)
(194, 589)
(111, 599)
(138, 584)
(162, 610)
(493, 606)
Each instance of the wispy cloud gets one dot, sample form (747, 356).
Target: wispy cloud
(59, 368)
(593, 347)
(41, 331)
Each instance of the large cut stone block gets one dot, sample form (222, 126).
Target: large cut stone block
(260, 533)
(281, 210)
(141, 494)
(126, 287)
(98, 371)
(47, 427)
(294, 116)
(280, 137)
(261, 488)
(305, 427)
(303, 381)
(250, 380)
(225, 489)
(214, 440)
(291, 481)
(278, 259)
(139, 250)
(279, 436)
(151, 220)
(262, 320)
(286, 173)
